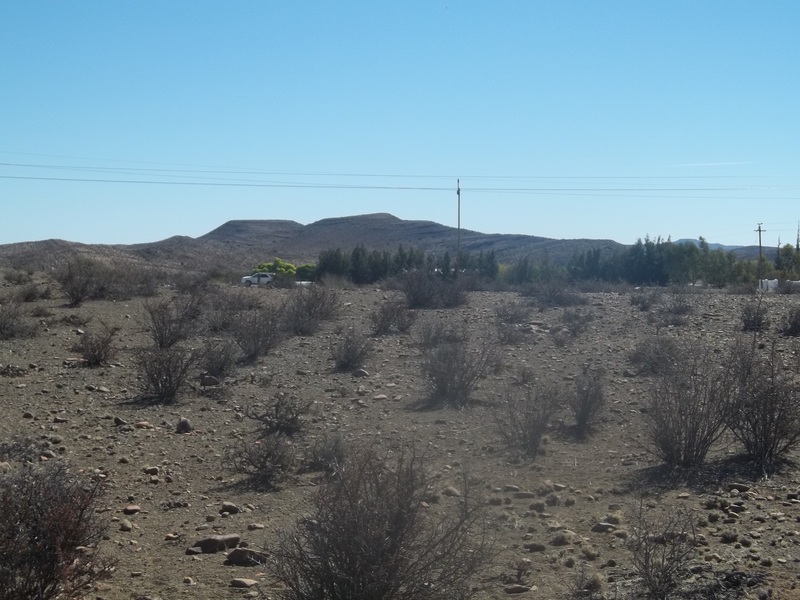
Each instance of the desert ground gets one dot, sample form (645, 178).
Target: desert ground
(555, 519)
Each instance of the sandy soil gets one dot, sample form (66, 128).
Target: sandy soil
(79, 411)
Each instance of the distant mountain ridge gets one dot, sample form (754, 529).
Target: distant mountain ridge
(241, 244)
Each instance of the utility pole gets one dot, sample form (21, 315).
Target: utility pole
(458, 239)
(760, 257)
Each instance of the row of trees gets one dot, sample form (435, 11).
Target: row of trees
(647, 262)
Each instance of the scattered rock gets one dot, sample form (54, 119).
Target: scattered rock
(184, 426)
(240, 582)
(215, 543)
(230, 508)
(245, 557)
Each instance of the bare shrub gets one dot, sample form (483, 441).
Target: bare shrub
(654, 355)
(171, 321)
(283, 416)
(678, 303)
(17, 277)
(31, 292)
(790, 326)
(452, 294)
(266, 461)
(97, 348)
(508, 318)
(588, 402)
(327, 453)
(524, 416)
(50, 533)
(513, 312)
(662, 546)
(218, 357)
(576, 321)
(765, 413)
(551, 294)
(431, 334)
(78, 279)
(687, 408)
(370, 536)
(754, 315)
(257, 332)
(391, 316)
(644, 300)
(452, 370)
(224, 308)
(421, 289)
(13, 323)
(350, 350)
(164, 371)
(308, 307)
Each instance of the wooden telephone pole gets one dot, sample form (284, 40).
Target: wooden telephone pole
(760, 257)
(458, 239)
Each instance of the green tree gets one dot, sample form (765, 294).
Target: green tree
(277, 266)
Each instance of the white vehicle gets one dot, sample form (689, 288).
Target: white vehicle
(258, 279)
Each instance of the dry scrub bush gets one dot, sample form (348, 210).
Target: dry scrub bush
(508, 317)
(97, 348)
(391, 316)
(17, 277)
(662, 546)
(31, 292)
(13, 323)
(283, 416)
(308, 307)
(257, 332)
(451, 371)
(171, 321)
(327, 453)
(687, 408)
(49, 534)
(421, 289)
(218, 357)
(644, 300)
(552, 294)
(654, 355)
(164, 371)
(87, 279)
(77, 280)
(266, 461)
(225, 306)
(350, 350)
(428, 290)
(588, 402)
(431, 334)
(372, 535)
(790, 326)
(576, 321)
(524, 416)
(754, 315)
(765, 412)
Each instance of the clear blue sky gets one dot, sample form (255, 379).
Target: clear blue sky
(564, 119)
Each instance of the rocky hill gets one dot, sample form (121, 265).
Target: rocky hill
(243, 243)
